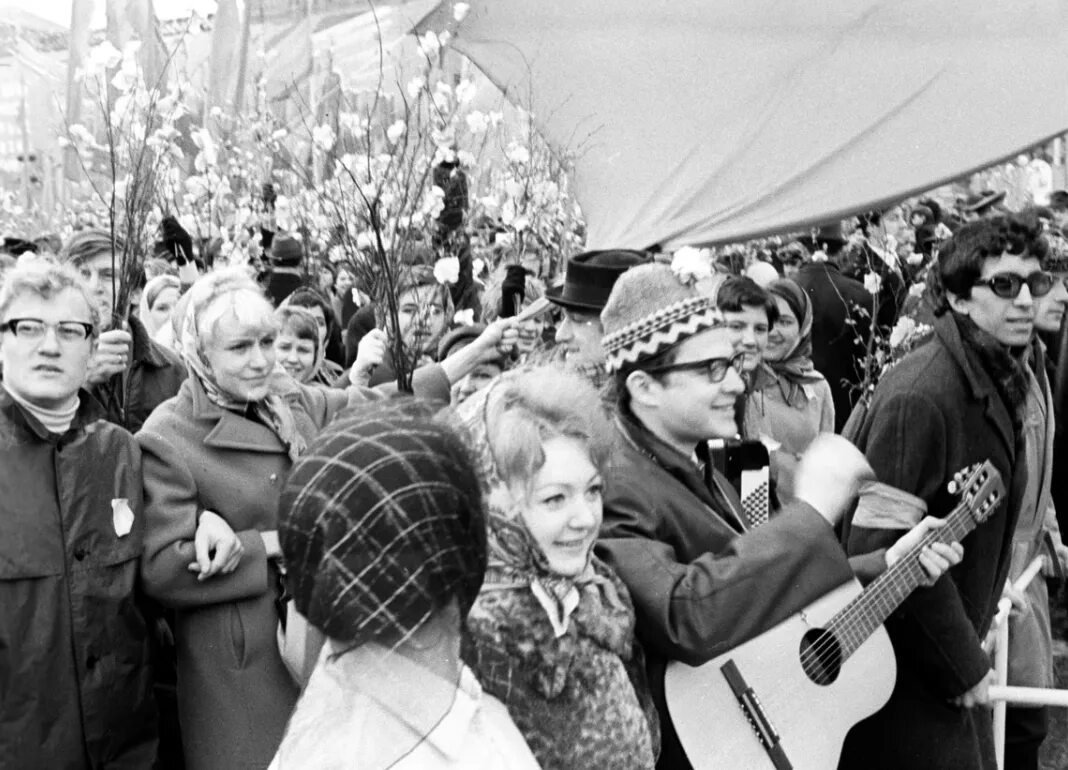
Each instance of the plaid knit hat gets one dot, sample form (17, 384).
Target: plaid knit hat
(650, 309)
(381, 524)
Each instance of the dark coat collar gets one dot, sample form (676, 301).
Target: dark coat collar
(978, 380)
(231, 430)
(708, 489)
(19, 417)
(145, 349)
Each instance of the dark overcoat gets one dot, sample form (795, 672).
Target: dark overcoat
(75, 691)
(700, 587)
(934, 413)
(841, 323)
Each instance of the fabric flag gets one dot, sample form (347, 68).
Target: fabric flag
(44, 78)
(695, 122)
(229, 51)
(135, 20)
(81, 17)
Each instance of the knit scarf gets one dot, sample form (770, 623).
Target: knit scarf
(1004, 368)
(272, 410)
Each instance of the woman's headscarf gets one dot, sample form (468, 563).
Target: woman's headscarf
(516, 562)
(795, 369)
(152, 291)
(271, 410)
(323, 371)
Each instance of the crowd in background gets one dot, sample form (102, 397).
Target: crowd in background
(232, 540)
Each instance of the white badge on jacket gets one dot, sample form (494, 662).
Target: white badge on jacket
(121, 516)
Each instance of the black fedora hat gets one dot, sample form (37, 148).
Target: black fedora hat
(982, 201)
(591, 275)
(827, 236)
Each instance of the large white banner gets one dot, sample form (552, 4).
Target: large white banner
(705, 121)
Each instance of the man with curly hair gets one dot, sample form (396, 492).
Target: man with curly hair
(960, 399)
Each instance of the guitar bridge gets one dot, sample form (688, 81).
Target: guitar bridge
(754, 712)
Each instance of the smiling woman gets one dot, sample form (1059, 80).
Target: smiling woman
(215, 458)
(551, 632)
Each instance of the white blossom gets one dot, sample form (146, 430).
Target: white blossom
(415, 86)
(447, 270)
(904, 327)
(477, 122)
(465, 92)
(396, 131)
(873, 282)
(104, 56)
(430, 44)
(459, 11)
(691, 265)
(464, 317)
(519, 154)
(917, 289)
(324, 137)
(819, 256)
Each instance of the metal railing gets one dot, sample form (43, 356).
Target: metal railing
(1001, 692)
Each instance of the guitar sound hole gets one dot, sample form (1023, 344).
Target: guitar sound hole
(821, 656)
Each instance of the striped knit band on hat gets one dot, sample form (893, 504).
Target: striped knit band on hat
(649, 311)
(382, 524)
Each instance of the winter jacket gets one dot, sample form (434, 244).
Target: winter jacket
(841, 324)
(155, 375)
(75, 690)
(700, 583)
(935, 413)
(234, 692)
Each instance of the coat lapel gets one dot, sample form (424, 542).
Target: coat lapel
(232, 431)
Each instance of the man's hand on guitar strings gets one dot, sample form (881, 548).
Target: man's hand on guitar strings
(936, 558)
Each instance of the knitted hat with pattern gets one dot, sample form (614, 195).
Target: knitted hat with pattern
(651, 309)
(382, 524)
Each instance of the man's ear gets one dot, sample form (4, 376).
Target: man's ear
(958, 304)
(644, 389)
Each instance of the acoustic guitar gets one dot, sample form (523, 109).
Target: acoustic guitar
(787, 698)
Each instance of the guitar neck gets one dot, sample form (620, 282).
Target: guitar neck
(859, 619)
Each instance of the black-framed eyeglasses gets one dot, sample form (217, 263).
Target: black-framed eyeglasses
(32, 329)
(1008, 285)
(715, 368)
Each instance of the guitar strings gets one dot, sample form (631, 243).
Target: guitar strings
(831, 642)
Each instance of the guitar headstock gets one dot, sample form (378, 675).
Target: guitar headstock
(980, 488)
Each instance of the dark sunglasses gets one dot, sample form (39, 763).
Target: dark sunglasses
(1008, 285)
(715, 368)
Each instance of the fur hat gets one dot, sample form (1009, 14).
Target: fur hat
(286, 251)
(649, 310)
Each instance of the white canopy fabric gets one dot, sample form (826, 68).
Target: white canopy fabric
(697, 122)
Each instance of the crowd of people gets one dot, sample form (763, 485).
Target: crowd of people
(234, 538)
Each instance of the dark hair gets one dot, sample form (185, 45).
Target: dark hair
(740, 292)
(960, 259)
(616, 388)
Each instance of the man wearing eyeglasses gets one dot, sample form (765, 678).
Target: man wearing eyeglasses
(964, 397)
(702, 582)
(73, 646)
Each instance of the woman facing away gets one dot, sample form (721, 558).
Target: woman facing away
(789, 402)
(552, 631)
(384, 537)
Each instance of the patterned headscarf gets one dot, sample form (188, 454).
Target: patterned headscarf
(516, 562)
(272, 410)
(381, 524)
(795, 369)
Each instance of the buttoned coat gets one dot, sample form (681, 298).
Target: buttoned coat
(74, 678)
(234, 692)
(934, 413)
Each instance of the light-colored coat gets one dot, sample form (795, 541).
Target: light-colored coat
(234, 693)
